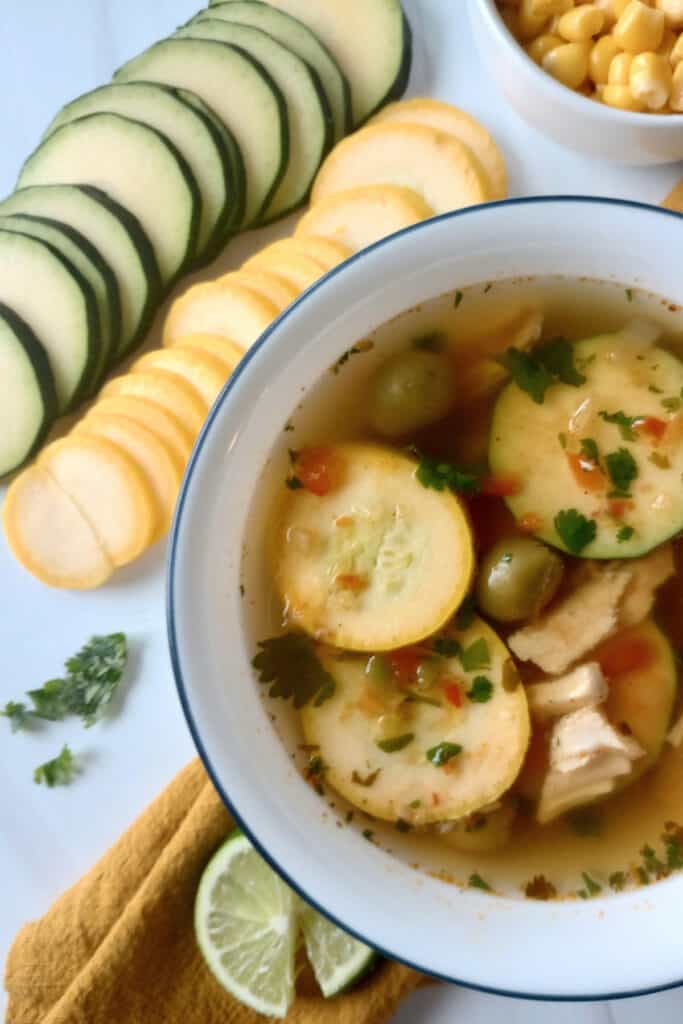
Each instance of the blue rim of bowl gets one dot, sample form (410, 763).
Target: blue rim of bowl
(170, 606)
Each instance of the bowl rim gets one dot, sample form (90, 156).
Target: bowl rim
(171, 577)
(580, 103)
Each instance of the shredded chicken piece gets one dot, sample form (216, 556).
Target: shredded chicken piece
(586, 617)
(648, 574)
(585, 686)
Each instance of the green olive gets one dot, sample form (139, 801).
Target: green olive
(409, 391)
(517, 578)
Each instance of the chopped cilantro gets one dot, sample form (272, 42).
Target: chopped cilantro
(557, 356)
(475, 656)
(590, 450)
(57, 772)
(401, 825)
(592, 887)
(414, 804)
(671, 404)
(652, 864)
(617, 881)
(642, 875)
(488, 288)
(624, 534)
(562, 438)
(629, 294)
(654, 390)
(316, 766)
(586, 821)
(475, 881)
(441, 475)
(288, 426)
(434, 342)
(293, 483)
(457, 299)
(355, 350)
(18, 715)
(442, 753)
(659, 460)
(447, 647)
(290, 664)
(365, 780)
(396, 743)
(673, 843)
(482, 690)
(368, 834)
(624, 422)
(527, 373)
(465, 614)
(622, 468)
(574, 530)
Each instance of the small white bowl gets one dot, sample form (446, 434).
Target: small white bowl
(567, 116)
(602, 948)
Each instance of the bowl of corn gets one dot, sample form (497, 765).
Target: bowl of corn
(604, 77)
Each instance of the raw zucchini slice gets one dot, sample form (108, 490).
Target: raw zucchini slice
(219, 307)
(323, 250)
(109, 491)
(204, 372)
(88, 261)
(435, 165)
(154, 418)
(433, 763)
(357, 217)
(114, 232)
(49, 536)
(165, 389)
(378, 562)
(369, 39)
(627, 406)
(29, 403)
(228, 351)
(240, 92)
(43, 288)
(300, 271)
(293, 34)
(269, 286)
(138, 166)
(449, 119)
(190, 131)
(308, 112)
(157, 463)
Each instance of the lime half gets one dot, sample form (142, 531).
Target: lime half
(246, 926)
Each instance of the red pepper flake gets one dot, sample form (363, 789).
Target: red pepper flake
(504, 486)
(618, 508)
(653, 426)
(436, 799)
(625, 653)
(344, 521)
(319, 470)
(530, 523)
(349, 581)
(587, 474)
(404, 664)
(453, 694)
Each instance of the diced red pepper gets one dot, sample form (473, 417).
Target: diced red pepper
(624, 654)
(618, 508)
(404, 664)
(349, 581)
(453, 694)
(501, 486)
(320, 470)
(587, 474)
(653, 426)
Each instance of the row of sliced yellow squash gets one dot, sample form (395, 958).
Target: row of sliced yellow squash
(98, 498)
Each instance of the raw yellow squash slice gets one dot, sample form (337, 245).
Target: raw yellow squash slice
(229, 352)
(154, 417)
(162, 471)
(110, 491)
(449, 119)
(435, 165)
(431, 762)
(202, 371)
(217, 307)
(165, 389)
(357, 217)
(378, 562)
(269, 286)
(49, 536)
(301, 271)
(325, 252)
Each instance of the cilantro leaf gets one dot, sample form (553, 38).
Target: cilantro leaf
(624, 422)
(57, 772)
(527, 373)
(475, 656)
(574, 530)
(592, 887)
(293, 483)
(622, 468)
(447, 647)
(482, 690)
(557, 356)
(617, 881)
(442, 753)
(51, 700)
(396, 743)
(475, 881)
(672, 404)
(465, 614)
(18, 714)
(457, 299)
(94, 675)
(290, 664)
(590, 450)
(441, 475)
(624, 534)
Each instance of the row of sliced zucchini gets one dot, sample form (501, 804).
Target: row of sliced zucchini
(214, 130)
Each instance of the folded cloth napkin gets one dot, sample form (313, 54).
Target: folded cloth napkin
(119, 945)
(674, 200)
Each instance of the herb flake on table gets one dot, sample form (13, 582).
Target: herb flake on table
(18, 715)
(289, 663)
(60, 771)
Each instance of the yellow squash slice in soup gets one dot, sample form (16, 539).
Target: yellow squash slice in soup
(376, 562)
(432, 752)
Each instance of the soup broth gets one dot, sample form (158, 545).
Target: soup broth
(423, 722)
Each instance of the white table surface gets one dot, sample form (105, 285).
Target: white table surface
(51, 52)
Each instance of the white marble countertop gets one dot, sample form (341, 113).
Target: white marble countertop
(52, 52)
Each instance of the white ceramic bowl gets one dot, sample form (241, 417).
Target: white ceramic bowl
(566, 116)
(603, 948)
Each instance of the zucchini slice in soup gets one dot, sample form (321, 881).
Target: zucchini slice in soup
(379, 561)
(445, 760)
(609, 450)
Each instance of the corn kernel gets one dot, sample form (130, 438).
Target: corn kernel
(546, 8)
(568, 63)
(581, 23)
(601, 56)
(511, 19)
(672, 11)
(676, 98)
(676, 54)
(620, 96)
(529, 23)
(541, 45)
(620, 69)
(668, 42)
(650, 80)
(640, 28)
(612, 10)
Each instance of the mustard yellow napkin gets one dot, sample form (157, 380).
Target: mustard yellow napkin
(119, 945)
(674, 200)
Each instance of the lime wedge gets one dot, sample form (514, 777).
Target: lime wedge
(338, 960)
(247, 927)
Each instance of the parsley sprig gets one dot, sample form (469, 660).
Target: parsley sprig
(535, 372)
(289, 663)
